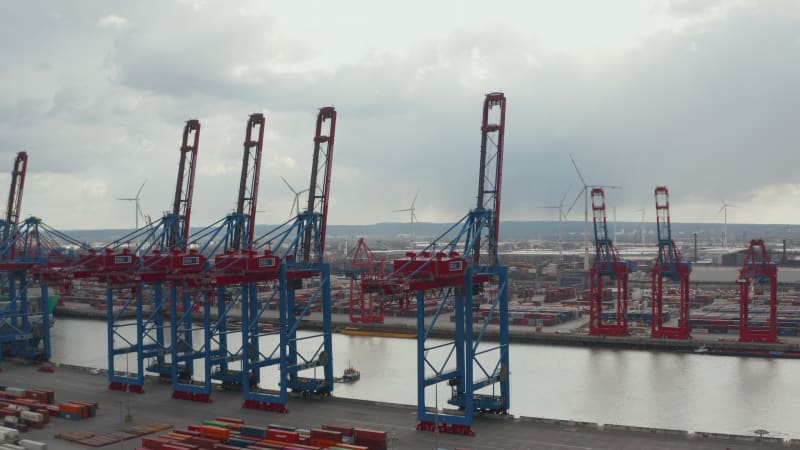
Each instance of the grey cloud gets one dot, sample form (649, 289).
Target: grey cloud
(706, 110)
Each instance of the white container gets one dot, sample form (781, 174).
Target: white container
(11, 419)
(33, 445)
(11, 447)
(15, 392)
(32, 416)
(11, 433)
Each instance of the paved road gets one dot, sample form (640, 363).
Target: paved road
(491, 433)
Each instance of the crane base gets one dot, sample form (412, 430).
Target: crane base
(464, 430)
(265, 406)
(192, 396)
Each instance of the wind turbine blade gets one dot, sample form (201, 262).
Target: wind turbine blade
(288, 185)
(720, 210)
(401, 210)
(564, 197)
(574, 202)
(140, 188)
(128, 199)
(415, 199)
(577, 170)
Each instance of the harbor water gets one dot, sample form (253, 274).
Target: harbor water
(695, 392)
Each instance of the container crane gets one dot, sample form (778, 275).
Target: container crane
(237, 264)
(230, 278)
(607, 264)
(758, 269)
(300, 245)
(211, 285)
(457, 275)
(26, 251)
(366, 279)
(24, 325)
(668, 264)
(37, 250)
(159, 258)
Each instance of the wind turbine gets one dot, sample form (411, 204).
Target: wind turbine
(138, 211)
(561, 216)
(296, 203)
(585, 194)
(724, 209)
(413, 217)
(641, 210)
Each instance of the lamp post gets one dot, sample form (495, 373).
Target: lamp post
(128, 417)
(436, 418)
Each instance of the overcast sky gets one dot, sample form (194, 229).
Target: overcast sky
(698, 95)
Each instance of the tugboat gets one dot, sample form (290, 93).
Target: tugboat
(350, 375)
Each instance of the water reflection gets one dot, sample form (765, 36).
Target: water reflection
(667, 390)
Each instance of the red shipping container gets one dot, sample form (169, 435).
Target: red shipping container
(271, 444)
(174, 446)
(225, 447)
(281, 435)
(154, 443)
(329, 435)
(346, 431)
(230, 420)
(202, 442)
(369, 434)
(187, 432)
(323, 443)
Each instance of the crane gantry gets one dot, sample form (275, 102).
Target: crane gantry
(758, 270)
(299, 245)
(456, 275)
(668, 265)
(607, 264)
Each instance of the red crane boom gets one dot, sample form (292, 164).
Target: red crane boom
(248, 184)
(489, 184)
(319, 188)
(15, 192)
(182, 205)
